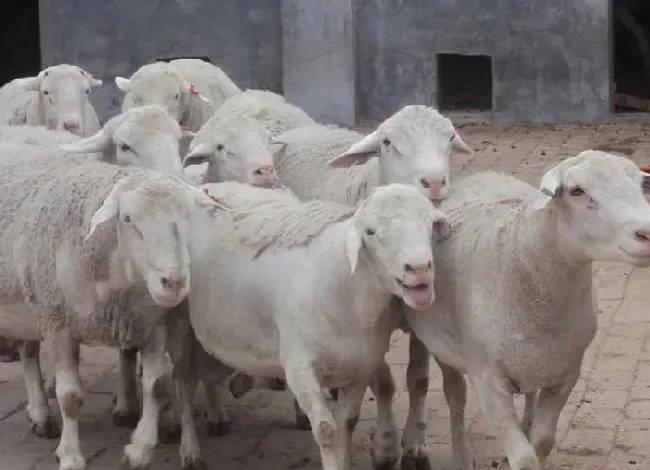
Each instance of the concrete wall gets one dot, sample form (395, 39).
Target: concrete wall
(550, 59)
(115, 37)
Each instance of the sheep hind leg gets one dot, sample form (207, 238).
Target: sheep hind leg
(50, 380)
(414, 444)
(455, 391)
(385, 446)
(139, 453)
(126, 412)
(69, 394)
(38, 409)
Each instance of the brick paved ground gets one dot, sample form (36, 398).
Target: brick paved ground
(606, 424)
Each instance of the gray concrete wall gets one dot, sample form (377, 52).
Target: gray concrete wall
(319, 58)
(110, 38)
(550, 59)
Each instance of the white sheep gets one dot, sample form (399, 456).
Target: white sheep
(413, 147)
(95, 253)
(36, 135)
(515, 307)
(190, 90)
(301, 290)
(231, 149)
(271, 109)
(56, 98)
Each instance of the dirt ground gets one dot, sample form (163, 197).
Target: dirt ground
(605, 425)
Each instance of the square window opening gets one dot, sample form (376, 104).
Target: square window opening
(464, 82)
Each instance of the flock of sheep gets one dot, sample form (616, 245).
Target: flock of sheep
(224, 236)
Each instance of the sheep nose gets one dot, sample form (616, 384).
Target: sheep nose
(264, 175)
(174, 283)
(435, 187)
(642, 235)
(417, 268)
(70, 125)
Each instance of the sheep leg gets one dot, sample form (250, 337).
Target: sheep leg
(385, 446)
(302, 420)
(456, 394)
(213, 373)
(182, 351)
(414, 442)
(348, 406)
(549, 406)
(50, 380)
(139, 453)
(38, 409)
(529, 412)
(126, 412)
(69, 393)
(498, 407)
(304, 385)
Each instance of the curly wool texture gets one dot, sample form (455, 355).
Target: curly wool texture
(267, 221)
(271, 109)
(48, 202)
(302, 165)
(36, 135)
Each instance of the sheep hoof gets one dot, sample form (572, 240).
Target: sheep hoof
(194, 463)
(218, 428)
(302, 423)
(50, 429)
(169, 434)
(415, 462)
(388, 464)
(126, 419)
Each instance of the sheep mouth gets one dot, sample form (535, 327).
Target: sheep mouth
(642, 259)
(417, 295)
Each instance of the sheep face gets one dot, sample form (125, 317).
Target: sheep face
(162, 85)
(237, 149)
(393, 231)
(146, 136)
(63, 94)
(152, 234)
(600, 208)
(413, 146)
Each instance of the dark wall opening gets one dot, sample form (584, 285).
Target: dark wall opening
(464, 82)
(20, 40)
(631, 48)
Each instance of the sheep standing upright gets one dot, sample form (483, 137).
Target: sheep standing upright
(301, 290)
(190, 90)
(516, 307)
(56, 98)
(90, 252)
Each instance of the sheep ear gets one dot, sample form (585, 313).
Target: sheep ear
(441, 226)
(94, 143)
(107, 211)
(353, 247)
(31, 83)
(358, 154)
(645, 183)
(459, 145)
(191, 89)
(124, 84)
(92, 80)
(215, 201)
(198, 155)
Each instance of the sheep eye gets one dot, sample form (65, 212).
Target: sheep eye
(127, 218)
(386, 141)
(370, 231)
(176, 96)
(577, 191)
(46, 92)
(124, 148)
(87, 90)
(219, 147)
